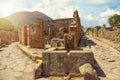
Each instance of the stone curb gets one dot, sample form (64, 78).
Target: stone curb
(34, 56)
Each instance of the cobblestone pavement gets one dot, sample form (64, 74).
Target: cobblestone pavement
(108, 59)
(15, 65)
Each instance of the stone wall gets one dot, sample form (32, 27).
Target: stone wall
(7, 37)
(72, 26)
(55, 25)
(60, 63)
(109, 33)
(32, 35)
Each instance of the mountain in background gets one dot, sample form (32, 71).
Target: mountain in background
(21, 18)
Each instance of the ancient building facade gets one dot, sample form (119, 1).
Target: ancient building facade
(75, 28)
(32, 35)
(52, 26)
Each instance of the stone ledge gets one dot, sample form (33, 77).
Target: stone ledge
(34, 54)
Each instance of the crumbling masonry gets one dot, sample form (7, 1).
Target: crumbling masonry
(32, 35)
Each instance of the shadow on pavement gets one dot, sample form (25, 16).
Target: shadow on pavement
(86, 42)
(99, 71)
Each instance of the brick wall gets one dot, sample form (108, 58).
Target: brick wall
(7, 37)
(32, 35)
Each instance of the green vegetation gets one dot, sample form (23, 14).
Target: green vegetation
(114, 19)
(90, 28)
(5, 25)
(15, 31)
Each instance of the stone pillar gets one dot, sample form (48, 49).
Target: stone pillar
(76, 28)
(23, 35)
(69, 41)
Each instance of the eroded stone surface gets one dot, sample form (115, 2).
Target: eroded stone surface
(61, 63)
(15, 65)
(108, 60)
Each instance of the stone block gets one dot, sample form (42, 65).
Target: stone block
(57, 42)
(46, 63)
(61, 63)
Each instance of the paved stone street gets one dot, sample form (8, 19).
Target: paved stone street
(108, 59)
(15, 65)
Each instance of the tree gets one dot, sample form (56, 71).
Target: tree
(114, 19)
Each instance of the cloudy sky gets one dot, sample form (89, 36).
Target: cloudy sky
(91, 12)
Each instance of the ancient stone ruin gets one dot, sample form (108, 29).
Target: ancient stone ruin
(64, 62)
(62, 58)
(75, 28)
(67, 61)
(53, 27)
(7, 37)
(32, 35)
(109, 33)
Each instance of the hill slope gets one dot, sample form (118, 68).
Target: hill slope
(5, 24)
(21, 18)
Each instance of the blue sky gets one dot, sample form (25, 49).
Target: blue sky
(91, 12)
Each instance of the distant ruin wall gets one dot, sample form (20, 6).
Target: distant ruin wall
(7, 37)
(111, 33)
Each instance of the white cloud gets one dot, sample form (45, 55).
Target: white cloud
(101, 18)
(67, 12)
(98, 1)
(53, 8)
(56, 9)
(89, 17)
(108, 12)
